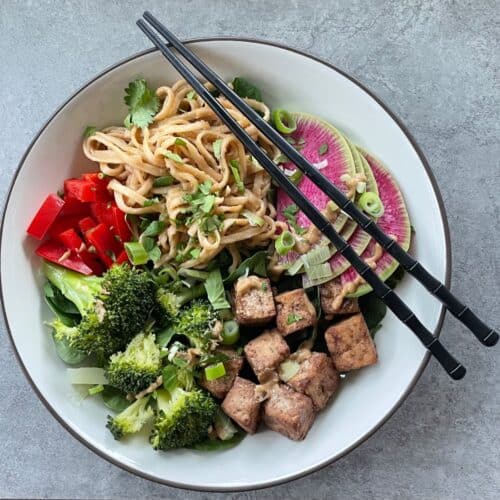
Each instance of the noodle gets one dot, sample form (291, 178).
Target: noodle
(186, 129)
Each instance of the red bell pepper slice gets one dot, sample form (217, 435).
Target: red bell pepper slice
(86, 224)
(105, 244)
(93, 262)
(45, 217)
(120, 226)
(100, 183)
(59, 254)
(122, 258)
(80, 190)
(102, 212)
(63, 223)
(74, 207)
(71, 240)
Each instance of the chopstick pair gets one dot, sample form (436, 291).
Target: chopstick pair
(483, 333)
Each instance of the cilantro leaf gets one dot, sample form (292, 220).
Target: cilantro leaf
(290, 213)
(173, 156)
(246, 89)
(234, 165)
(142, 102)
(90, 130)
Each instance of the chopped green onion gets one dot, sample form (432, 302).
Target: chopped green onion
(293, 318)
(87, 376)
(214, 372)
(235, 169)
(254, 219)
(284, 121)
(136, 253)
(154, 229)
(173, 156)
(179, 142)
(371, 204)
(296, 176)
(191, 95)
(230, 332)
(284, 243)
(96, 389)
(163, 181)
(323, 149)
(150, 202)
(217, 147)
(90, 130)
(193, 273)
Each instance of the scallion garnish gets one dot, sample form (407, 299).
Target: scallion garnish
(173, 156)
(179, 142)
(253, 219)
(217, 147)
(235, 169)
(136, 253)
(214, 372)
(230, 332)
(371, 204)
(163, 181)
(96, 389)
(284, 243)
(283, 121)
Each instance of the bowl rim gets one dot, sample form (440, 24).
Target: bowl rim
(397, 405)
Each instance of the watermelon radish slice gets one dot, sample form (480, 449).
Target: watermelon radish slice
(311, 135)
(394, 222)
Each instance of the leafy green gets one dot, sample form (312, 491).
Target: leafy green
(142, 102)
(256, 264)
(290, 214)
(68, 354)
(395, 277)
(217, 148)
(374, 311)
(246, 89)
(89, 131)
(165, 336)
(215, 290)
(169, 376)
(59, 301)
(253, 219)
(234, 165)
(154, 229)
(173, 156)
(164, 181)
(218, 444)
(114, 399)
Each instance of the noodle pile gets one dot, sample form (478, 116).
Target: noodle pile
(180, 143)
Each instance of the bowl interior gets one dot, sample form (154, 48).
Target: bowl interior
(290, 80)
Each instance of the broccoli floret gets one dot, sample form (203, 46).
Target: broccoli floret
(137, 367)
(183, 418)
(114, 307)
(131, 419)
(196, 321)
(173, 297)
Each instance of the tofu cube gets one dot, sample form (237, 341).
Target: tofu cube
(350, 344)
(242, 405)
(294, 311)
(329, 293)
(289, 412)
(265, 353)
(316, 378)
(221, 386)
(253, 301)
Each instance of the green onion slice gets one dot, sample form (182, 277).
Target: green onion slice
(284, 243)
(253, 219)
(371, 204)
(136, 253)
(230, 332)
(284, 121)
(163, 181)
(296, 176)
(214, 372)
(96, 389)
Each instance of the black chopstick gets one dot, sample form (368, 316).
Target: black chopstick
(483, 332)
(393, 302)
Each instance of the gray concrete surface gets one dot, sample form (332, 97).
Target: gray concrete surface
(436, 64)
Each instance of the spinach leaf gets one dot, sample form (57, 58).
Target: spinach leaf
(246, 89)
(59, 301)
(395, 277)
(165, 336)
(218, 445)
(114, 399)
(68, 354)
(373, 310)
(256, 264)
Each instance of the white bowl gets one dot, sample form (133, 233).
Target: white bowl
(289, 79)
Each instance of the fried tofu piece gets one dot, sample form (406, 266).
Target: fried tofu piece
(265, 352)
(294, 311)
(289, 412)
(253, 301)
(221, 386)
(329, 293)
(316, 378)
(242, 405)
(350, 344)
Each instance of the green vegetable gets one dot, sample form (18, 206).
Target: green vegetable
(60, 304)
(183, 418)
(142, 102)
(136, 253)
(164, 181)
(180, 142)
(172, 297)
(293, 318)
(68, 354)
(217, 147)
(371, 204)
(219, 445)
(131, 420)
(230, 332)
(224, 427)
(290, 214)
(284, 243)
(96, 389)
(323, 149)
(194, 273)
(89, 131)
(253, 219)
(150, 202)
(86, 376)
(137, 367)
(213, 372)
(296, 177)
(246, 89)
(173, 156)
(283, 121)
(215, 290)
(154, 254)
(114, 399)
(114, 307)
(154, 229)
(191, 95)
(234, 165)
(374, 311)
(256, 264)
